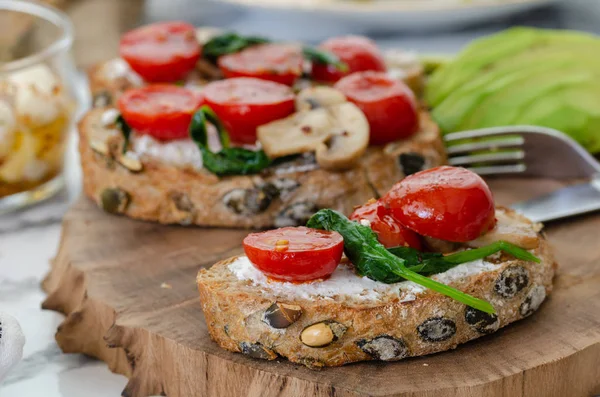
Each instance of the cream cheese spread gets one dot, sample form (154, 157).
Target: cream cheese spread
(345, 282)
(180, 152)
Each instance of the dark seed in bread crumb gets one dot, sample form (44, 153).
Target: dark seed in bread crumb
(384, 348)
(295, 215)
(411, 162)
(437, 329)
(482, 322)
(279, 187)
(511, 281)
(246, 201)
(534, 299)
(256, 350)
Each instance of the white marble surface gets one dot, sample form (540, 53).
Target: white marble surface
(28, 240)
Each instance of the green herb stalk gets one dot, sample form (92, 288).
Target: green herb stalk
(125, 130)
(432, 263)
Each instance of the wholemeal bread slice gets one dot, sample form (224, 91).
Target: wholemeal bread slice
(152, 187)
(357, 319)
(149, 187)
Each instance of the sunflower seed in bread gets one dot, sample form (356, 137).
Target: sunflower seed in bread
(131, 162)
(281, 315)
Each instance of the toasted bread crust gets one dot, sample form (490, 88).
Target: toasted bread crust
(431, 323)
(174, 195)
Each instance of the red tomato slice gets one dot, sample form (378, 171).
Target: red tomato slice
(281, 63)
(389, 232)
(389, 105)
(161, 52)
(160, 110)
(295, 253)
(244, 103)
(448, 203)
(358, 52)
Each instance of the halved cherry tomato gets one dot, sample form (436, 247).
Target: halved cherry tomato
(358, 52)
(295, 253)
(448, 203)
(161, 52)
(389, 232)
(281, 63)
(244, 103)
(389, 105)
(160, 110)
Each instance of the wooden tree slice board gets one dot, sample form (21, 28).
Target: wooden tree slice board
(128, 291)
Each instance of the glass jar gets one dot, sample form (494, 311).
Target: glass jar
(37, 101)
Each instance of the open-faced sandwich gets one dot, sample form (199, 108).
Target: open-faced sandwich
(430, 265)
(245, 132)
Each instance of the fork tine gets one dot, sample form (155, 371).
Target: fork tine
(485, 145)
(487, 157)
(489, 132)
(499, 169)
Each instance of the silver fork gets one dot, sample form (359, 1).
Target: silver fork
(536, 152)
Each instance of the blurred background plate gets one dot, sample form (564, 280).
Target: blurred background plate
(394, 15)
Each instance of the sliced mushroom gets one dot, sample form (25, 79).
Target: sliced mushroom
(301, 132)
(339, 135)
(318, 97)
(348, 144)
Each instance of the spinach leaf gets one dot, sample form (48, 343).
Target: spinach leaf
(373, 260)
(125, 130)
(229, 43)
(230, 160)
(324, 57)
